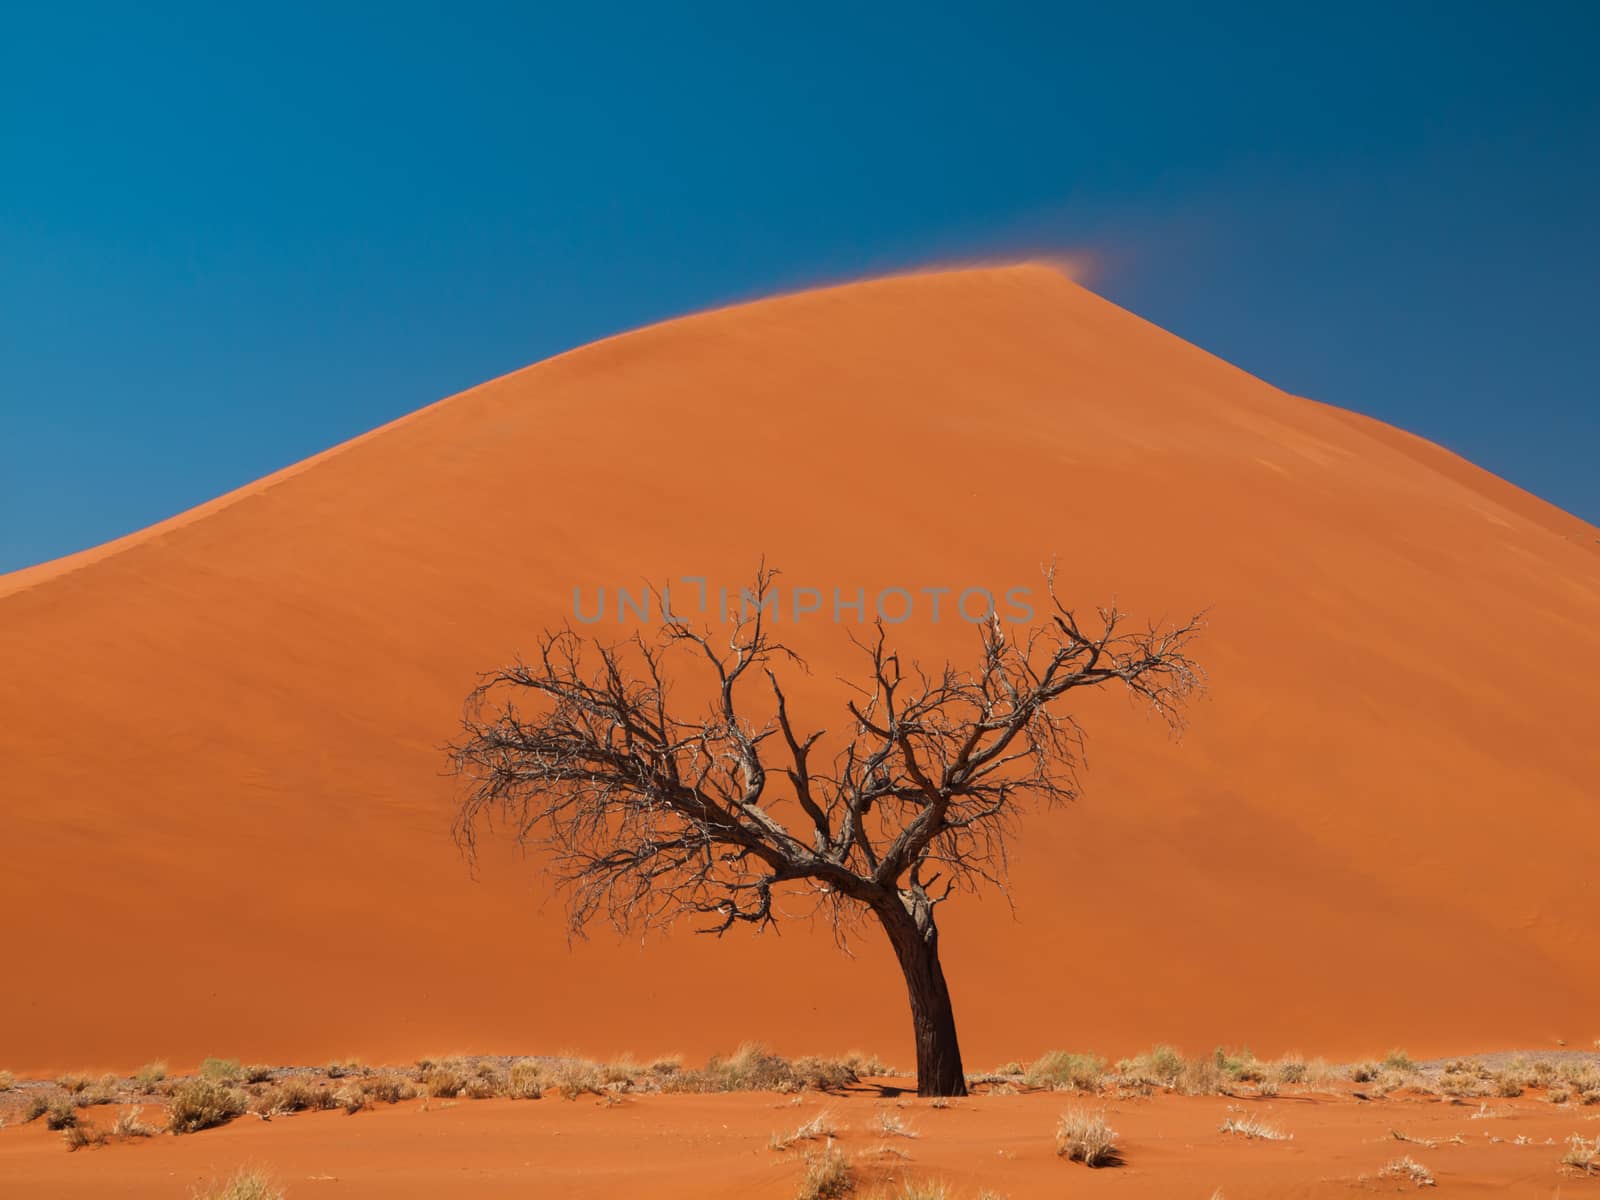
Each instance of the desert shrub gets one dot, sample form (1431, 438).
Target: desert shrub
(1160, 1065)
(1365, 1072)
(80, 1134)
(198, 1104)
(60, 1113)
(1508, 1084)
(1267, 1087)
(819, 1075)
(1238, 1064)
(340, 1068)
(1083, 1136)
(152, 1073)
(7, 1081)
(293, 1094)
(1200, 1077)
(1290, 1070)
(864, 1065)
(485, 1083)
(751, 1068)
(72, 1084)
(256, 1073)
(1558, 1095)
(388, 1088)
(1399, 1060)
(103, 1091)
(128, 1125)
(35, 1107)
(244, 1184)
(221, 1070)
(1462, 1079)
(573, 1077)
(1580, 1075)
(444, 1080)
(828, 1176)
(1064, 1071)
(622, 1072)
(523, 1081)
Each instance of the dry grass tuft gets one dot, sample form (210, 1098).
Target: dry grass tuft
(523, 1081)
(1063, 1071)
(1464, 1080)
(572, 1078)
(892, 1124)
(1083, 1136)
(1254, 1129)
(923, 1189)
(128, 1125)
(1291, 1070)
(1582, 1155)
(1426, 1142)
(60, 1113)
(104, 1090)
(387, 1088)
(1410, 1169)
(152, 1073)
(7, 1081)
(292, 1094)
(198, 1104)
(81, 1134)
(243, 1184)
(819, 1126)
(1160, 1066)
(221, 1070)
(444, 1080)
(829, 1176)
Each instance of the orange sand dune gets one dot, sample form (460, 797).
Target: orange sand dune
(225, 818)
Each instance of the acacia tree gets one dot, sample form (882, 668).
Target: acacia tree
(647, 812)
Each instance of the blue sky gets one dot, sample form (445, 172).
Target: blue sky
(231, 236)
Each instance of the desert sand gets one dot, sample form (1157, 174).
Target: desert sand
(226, 816)
(719, 1146)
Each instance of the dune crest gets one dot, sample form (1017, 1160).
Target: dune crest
(224, 797)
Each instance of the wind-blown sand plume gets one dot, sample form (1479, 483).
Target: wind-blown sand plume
(226, 820)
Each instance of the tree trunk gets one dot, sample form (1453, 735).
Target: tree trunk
(916, 944)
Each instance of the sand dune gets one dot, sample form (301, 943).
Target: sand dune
(225, 818)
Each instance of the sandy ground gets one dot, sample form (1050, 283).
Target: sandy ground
(226, 818)
(711, 1146)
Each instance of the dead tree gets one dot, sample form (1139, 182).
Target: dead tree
(647, 812)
